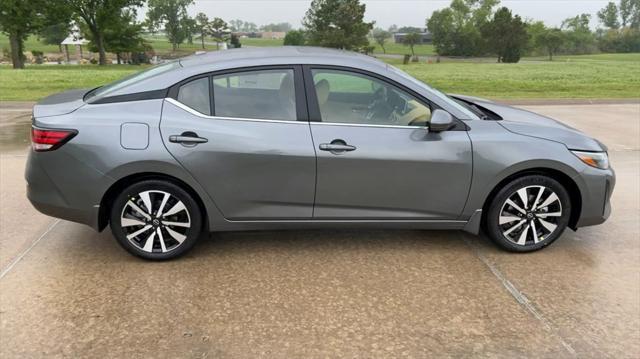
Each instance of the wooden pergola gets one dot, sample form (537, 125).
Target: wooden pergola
(78, 42)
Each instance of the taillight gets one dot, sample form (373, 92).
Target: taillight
(43, 139)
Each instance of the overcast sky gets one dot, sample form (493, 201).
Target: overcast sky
(388, 12)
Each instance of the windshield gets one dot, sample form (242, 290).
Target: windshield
(435, 92)
(133, 78)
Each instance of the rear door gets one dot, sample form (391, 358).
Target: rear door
(376, 158)
(245, 137)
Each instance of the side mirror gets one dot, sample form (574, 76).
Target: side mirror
(440, 121)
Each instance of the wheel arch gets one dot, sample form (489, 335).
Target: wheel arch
(117, 187)
(565, 180)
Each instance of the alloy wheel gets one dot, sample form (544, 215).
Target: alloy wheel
(155, 221)
(530, 215)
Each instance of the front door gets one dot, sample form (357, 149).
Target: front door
(247, 143)
(376, 159)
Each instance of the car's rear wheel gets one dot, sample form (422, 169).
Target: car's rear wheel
(528, 213)
(156, 220)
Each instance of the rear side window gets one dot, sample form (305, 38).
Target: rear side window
(260, 94)
(195, 94)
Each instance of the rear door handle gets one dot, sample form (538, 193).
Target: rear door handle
(187, 138)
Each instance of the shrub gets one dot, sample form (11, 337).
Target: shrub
(294, 38)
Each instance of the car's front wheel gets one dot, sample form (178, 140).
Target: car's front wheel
(156, 219)
(528, 213)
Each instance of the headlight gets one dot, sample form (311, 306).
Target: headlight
(594, 159)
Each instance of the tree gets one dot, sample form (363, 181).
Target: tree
(189, 27)
(411, 40)
(393, 28)
(218, 29)
(579, 39)
(410, 29)
(202, 21)
(620, 39)
(506, 34)
(124, 36)
(170, 13)
(55, 34)
(236, 25)
(98, 16)
(456, 29)
(535, 29)
(19, 18)
(250, 27)
(630, 13)
(442, 29)
(150, 26)
(625, 39)
(294, 38)
(381, 36)
(609, 16)
(551, 40)
(338, 24)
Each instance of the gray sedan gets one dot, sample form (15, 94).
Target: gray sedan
(284, 138)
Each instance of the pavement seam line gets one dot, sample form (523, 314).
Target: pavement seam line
(521, 298)
(26, 251)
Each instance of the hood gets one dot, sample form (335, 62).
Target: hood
(527, 123)
(60, 103)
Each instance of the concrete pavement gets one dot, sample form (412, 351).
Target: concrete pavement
(67, 291)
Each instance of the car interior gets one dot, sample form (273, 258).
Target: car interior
(266, 94)
(343, 97)
(353, 98)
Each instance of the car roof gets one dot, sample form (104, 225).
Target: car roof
(256, 56)
(208, 62)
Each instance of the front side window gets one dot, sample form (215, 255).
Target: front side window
(260, 94)
(348, 97)
(195, 94)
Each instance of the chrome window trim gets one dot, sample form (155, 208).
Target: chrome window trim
(200, 114)
(366, 125)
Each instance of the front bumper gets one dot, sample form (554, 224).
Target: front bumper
(596, 193)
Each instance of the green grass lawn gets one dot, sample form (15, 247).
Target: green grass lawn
(32, 43)
(632, 57)
(541, 79)
(587, 76)
(38, 81)
(401, 49)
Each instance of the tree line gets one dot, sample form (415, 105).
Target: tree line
(465, 28)
(473, 28)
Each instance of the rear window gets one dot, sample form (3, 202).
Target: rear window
(195, 94)
(131, 79)
(260, 94)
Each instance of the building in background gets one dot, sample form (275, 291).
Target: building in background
(425, 37)
(273, 35)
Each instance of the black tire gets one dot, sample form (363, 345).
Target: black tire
(538, 219)
(165, 238)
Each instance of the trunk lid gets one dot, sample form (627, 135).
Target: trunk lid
(60, 104)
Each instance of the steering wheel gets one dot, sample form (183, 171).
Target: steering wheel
(379, 102)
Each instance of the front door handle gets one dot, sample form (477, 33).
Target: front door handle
(336, 147)
(187, 138)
